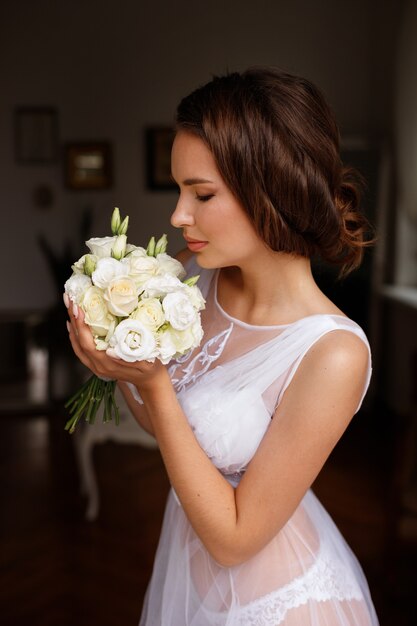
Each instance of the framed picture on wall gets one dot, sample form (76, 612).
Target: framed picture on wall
(36, 134)
(158, 158)
(88, 165)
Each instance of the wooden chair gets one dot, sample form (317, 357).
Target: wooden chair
(87, 436)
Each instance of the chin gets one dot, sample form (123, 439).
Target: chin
(205, 263)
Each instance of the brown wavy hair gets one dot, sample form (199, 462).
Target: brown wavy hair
(276, 144)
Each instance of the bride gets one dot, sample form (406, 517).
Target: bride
(246, 421)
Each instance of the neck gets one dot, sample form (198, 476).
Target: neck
(280, 286)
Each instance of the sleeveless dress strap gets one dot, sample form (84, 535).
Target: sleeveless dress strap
(348, 325)
(263, 365)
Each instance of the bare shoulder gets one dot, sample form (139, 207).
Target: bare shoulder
(335, 367)
(339, 349)
(183, 255)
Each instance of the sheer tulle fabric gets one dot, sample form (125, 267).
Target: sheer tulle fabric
(229, 389)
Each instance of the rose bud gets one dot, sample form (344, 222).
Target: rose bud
(150, 250)
(115, 221)
(90, 263)
(123, 226)
(161, 245)
(119, 247)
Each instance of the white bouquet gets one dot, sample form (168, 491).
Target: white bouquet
(137, 306)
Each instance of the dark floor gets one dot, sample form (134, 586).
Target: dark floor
(59, 570)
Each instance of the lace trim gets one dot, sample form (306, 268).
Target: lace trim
(209, 353)
(327, 579)
(203, 357)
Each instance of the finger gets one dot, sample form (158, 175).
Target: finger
(73, 329)
(83, 332)
(86, 348)
(77, 348)
(82, 341)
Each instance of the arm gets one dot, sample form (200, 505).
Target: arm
(137, 410)
(314, 412)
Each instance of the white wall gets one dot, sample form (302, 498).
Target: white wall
(112, 68)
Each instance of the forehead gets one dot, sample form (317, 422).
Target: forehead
(190, 154)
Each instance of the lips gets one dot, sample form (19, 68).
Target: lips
(191, 240)
(195, 244)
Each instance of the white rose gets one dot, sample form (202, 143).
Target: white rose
(106, 270)
(121, 296)
(132, 341)
(76, 286)
(167, 348)
(130, 248)
(195, 296)
(149, 313)
(78, 266)
(179, 310)
(97, 315)
(161, 285)
(101, 344)
(140, 267)
(101, 246)
(168, 265)
(173, 343)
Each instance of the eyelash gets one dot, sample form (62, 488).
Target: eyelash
(205, 198)
(200, 198)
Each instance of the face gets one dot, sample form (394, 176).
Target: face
(214, 223)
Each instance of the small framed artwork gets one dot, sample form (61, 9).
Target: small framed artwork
(88, 165)
(36, 135)
(158, 158)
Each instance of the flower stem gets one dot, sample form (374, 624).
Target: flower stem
(88, 399)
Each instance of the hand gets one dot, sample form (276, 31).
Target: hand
(141, 373)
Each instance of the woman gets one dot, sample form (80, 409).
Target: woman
(245, 423)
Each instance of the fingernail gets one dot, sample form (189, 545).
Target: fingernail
(75, 310)
(68, 326)
(66, 300)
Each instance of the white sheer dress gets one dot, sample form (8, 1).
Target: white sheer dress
(307, 575)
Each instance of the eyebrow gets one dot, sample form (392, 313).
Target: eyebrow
(196, 181)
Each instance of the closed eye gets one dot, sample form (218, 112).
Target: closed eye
(204, 198)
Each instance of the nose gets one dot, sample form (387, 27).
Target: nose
(182, 215)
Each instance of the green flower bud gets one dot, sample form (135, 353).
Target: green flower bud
(150, 250)
(119, 247)
(192, 280)
(89, 264)
(123, 226)
(161, 245)
(115, 221)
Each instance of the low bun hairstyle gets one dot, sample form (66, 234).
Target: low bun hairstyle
(276, 144)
